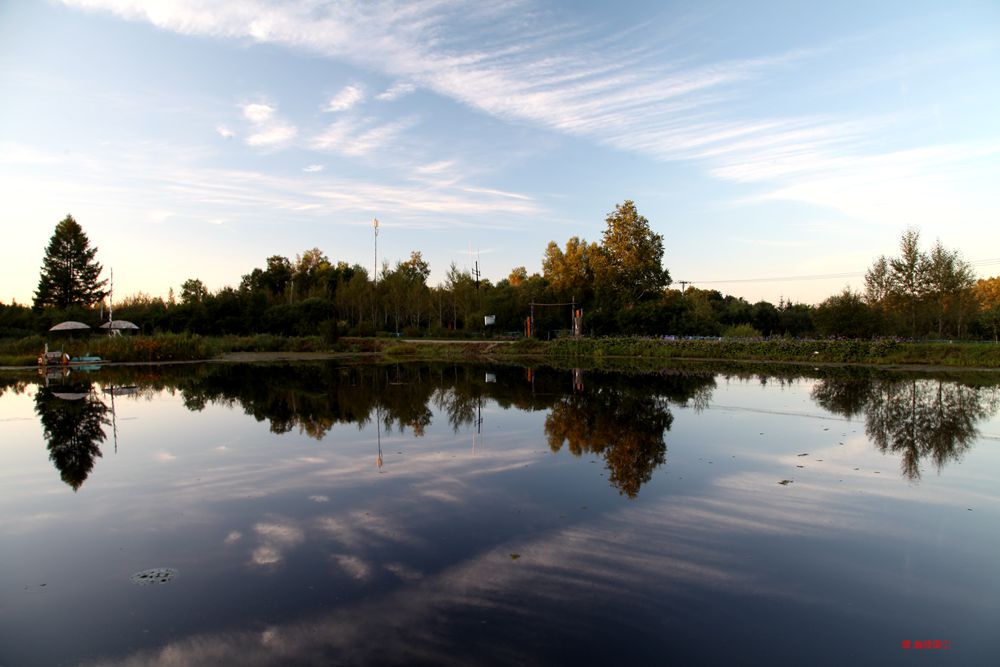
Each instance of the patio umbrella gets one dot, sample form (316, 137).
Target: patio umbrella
(71, 325)
(119, 324)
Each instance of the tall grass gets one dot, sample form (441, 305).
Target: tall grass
(877, 351)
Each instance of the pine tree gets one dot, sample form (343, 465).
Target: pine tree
(69, 273)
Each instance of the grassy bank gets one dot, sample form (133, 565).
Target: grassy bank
(591, 352)
(878, 352)
(166, 347)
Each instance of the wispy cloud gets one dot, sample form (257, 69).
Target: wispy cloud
(346, 98)
(313, 168)
(169, 178)
(356, 137)
(623, 90)
(275, 539)
(225, 132)
(395, 91)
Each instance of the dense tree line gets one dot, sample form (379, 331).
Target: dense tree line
(619, 284)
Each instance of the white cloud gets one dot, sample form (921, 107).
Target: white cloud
(395, 91)
(171, 178)
(268, 130)
(336, 135)
(276, 539)
(346, 98)
(482, 56)
(619, 90)
(312, 168)
(357, 138)
(272, 135)
(225, 132)
(258, 113)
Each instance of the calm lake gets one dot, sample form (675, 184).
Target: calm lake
(438, 514)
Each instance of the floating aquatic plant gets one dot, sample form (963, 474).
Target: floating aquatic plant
(156, 575)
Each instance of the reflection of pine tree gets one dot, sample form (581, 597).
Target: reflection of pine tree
(73, 430)
(917, 419)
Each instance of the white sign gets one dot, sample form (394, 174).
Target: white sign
(490, 319)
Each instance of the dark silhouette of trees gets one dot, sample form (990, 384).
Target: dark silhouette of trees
(846, 314)
(619, 283)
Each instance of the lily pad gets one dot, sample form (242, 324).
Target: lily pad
(515, 556)
(156, 575)
(785, 482)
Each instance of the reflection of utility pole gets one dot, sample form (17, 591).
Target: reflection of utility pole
(114, 421)
(378, 428)
(479, 424)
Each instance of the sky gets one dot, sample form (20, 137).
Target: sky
(778, 147)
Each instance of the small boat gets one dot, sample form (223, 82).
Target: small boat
(60, 358)
(53, 358)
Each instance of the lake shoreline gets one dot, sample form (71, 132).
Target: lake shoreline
(20, 355)
(416, 350)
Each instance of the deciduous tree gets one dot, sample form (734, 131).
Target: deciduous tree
(629, 266)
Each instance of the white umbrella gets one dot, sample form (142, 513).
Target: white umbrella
(71, 325)
(119, 324)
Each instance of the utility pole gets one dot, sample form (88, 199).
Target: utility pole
(375, 300)
(111, 313)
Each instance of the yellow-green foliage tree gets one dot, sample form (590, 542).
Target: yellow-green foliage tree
(988, 297)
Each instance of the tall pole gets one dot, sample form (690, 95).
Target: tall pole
(111, 313)
(375, 302)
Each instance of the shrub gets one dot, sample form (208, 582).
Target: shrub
(741, 331)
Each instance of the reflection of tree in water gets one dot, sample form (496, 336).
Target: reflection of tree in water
(621, 417)
(314, 398)
(73, 428)
(624, 420)
(916, 418)
(627, 431)
(459, 406)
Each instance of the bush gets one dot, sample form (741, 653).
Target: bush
(741, 331)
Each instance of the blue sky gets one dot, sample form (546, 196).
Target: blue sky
(762, 140)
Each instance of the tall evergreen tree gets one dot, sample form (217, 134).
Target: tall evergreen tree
(69, 272)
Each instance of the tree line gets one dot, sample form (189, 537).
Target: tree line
(619, 283)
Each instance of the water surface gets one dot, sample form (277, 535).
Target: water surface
(321, 514)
